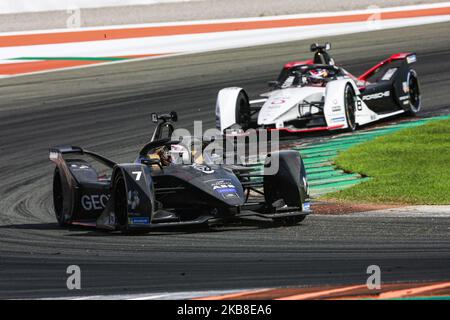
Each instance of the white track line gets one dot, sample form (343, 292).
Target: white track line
(198, 43)
(183, 295)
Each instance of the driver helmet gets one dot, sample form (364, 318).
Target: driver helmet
(163, 156)
(319, 74)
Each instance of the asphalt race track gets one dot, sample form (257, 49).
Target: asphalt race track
(106, 109)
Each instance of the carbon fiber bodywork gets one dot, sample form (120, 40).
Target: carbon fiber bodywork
(92, 189)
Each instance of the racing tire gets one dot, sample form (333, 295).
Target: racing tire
(288, 183)
(120, 202)
(121, 207)
(350, 108)
(58, 200)
(243, 112)
(415, 99)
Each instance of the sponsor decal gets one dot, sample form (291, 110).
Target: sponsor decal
(203, 168)
(279, 101)
(94, 202)
(230, 195)
(340, 119)
(133, 199)
(279, 124)
(336, 109)
(225, 188)
(405, 87)
(388, 75)
(378, 95)
(403, 98)
(306, 206)
(139, 220)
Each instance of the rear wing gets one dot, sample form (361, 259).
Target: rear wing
(56, 155)
(409, 57)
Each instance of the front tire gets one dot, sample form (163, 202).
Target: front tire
(415, 99)
(350, 108)
(120, 203)
(243, 113)
(121, 207)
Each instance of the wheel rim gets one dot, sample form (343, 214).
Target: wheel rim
(414, 94)
(120, 202)
(350, 108)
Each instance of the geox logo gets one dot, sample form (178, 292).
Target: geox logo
(378, 95)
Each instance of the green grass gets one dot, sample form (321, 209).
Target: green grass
(411, 166)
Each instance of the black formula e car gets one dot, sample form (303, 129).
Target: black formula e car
(156, 190)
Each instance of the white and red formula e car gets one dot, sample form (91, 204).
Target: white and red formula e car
(317, 95)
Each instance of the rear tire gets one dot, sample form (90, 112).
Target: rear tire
(350, 108)
(58, 199)
(415, 99)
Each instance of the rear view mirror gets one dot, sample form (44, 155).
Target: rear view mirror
(174, 116)
(317, 47)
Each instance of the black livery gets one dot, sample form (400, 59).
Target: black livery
(157, 190)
